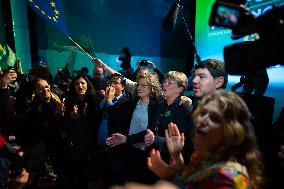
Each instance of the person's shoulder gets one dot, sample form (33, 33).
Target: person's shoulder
(231, 172)
(221, 175)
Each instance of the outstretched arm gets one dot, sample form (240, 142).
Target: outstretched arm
(100, 63)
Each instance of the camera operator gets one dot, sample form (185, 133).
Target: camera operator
(125, 58)
(253, 83)
(251, 58)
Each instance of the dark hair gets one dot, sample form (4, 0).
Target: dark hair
(121, 77)
(41, 72)
(90, 93)
(215, 67)
(90, 97)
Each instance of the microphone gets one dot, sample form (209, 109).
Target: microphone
(170, 20)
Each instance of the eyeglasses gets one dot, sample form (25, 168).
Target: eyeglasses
(168, 82)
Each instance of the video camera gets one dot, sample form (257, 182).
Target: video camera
(250, 56)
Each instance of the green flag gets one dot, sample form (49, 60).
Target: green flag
(11, 59)
(7, 56)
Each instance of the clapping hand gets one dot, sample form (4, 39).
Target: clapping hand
(110, 94)
(175, 140)
(149, 138)
(116, 139)
(159, 166)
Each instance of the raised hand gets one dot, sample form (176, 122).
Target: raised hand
(175, 140)
(110, 94)
(6, 79)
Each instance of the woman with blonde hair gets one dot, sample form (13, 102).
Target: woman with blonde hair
(226, 153)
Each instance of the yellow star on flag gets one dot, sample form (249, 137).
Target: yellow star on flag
(52, 4)
(56, 11)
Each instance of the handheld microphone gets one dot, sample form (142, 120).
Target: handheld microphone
(170, 20)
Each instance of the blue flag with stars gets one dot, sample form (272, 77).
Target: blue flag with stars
(51, 10)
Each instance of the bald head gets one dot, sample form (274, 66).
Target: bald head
(98, 72)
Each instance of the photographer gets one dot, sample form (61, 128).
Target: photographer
(125, 58)
(146, 65)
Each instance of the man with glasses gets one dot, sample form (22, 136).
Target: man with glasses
(113, 99)
(40, 133)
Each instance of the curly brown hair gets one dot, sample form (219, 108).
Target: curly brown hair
(153, 81)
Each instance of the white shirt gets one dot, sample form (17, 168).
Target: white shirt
(139, 122)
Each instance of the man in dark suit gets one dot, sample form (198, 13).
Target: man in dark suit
(113, 99)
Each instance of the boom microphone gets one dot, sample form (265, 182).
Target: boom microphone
(170, 20)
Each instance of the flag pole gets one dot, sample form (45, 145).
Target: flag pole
(81, 48)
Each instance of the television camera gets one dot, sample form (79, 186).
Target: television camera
(250, 56)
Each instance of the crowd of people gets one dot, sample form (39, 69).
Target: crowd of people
(84, 132)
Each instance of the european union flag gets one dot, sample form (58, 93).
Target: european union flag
(51, 10)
